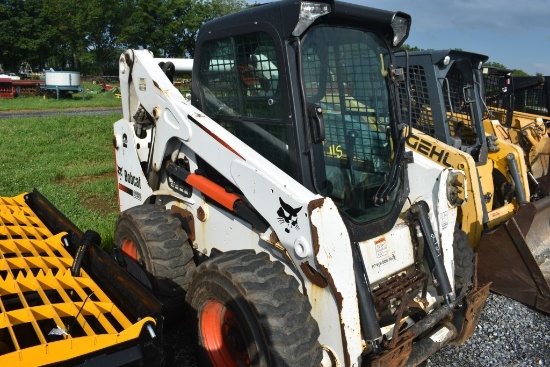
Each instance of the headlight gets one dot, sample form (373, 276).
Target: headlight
(400, 28)
(308, 13)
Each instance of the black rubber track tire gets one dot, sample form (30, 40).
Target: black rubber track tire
(463, 261)
(164, 252)
(279, 324)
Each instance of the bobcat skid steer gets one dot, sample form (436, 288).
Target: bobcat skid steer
(511, 234)
(279, 206)
(528, 130)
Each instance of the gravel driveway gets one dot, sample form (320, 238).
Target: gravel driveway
(508, 334)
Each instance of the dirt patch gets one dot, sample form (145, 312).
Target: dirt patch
(75, 181)
(102, 203)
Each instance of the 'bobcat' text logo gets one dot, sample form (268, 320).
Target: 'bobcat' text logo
(288, 216)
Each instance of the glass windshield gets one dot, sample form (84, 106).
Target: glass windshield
(343, 72)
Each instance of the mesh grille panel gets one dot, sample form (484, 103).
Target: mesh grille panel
(242, 73)
(457, 110)
(532, 100)
(422, 118)
(241, 85)
(353, 126)
(494, 92)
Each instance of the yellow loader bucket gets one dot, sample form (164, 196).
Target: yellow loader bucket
(516, 256)
(50, 316)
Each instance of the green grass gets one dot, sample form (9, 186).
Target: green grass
(93, 97)
(70, 160)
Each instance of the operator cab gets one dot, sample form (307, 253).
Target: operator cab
(456, 84)
(313, 91)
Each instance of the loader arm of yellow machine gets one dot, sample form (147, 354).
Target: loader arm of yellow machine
(477, 213)
(511, 240)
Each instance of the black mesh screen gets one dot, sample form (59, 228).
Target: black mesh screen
(242, 73)
(458, 112)
(421, 112)
(354, 103)
(495, 89)
(533, 100)
(240, 87)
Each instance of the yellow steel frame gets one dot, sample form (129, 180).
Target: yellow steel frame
(478, 178)
(38, 292)
(527, 127)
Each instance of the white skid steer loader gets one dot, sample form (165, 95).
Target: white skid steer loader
(279, 207)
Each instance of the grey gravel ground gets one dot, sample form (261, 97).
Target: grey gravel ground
(509, 334)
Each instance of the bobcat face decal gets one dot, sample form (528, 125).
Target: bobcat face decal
(288, 216)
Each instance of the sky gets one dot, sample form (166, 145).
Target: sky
(515, 33)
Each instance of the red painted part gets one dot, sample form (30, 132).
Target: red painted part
(222, 336)
(107, 87)
(130, 249)
(7, 90)
(28, 83)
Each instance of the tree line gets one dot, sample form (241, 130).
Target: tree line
(88, 36)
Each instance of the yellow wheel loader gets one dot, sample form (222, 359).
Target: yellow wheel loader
(528, 130)
(279, 207)
(511, 234)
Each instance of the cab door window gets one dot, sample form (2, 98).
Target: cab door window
(241, 90)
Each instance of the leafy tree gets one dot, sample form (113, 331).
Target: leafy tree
(149, 26)
(514, 72)
(101, 23)
(22, 35)
(493, 64)
(410, 48)
(190, 15)
(63, 33)
(519, 72)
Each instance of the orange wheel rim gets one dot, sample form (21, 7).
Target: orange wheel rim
(130, 249)
(222, 336)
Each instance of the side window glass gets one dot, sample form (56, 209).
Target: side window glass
(241, 91)
(242, 73)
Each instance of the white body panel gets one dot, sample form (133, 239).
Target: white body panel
(442, 215)
(388, 254)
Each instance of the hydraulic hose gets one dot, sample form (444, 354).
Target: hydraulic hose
(433, 251)
(367, 312)
(513, 169)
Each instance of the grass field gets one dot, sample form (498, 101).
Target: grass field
(93, 97)
(69, 159)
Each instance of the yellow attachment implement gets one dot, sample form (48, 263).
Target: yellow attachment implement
(48, 315)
